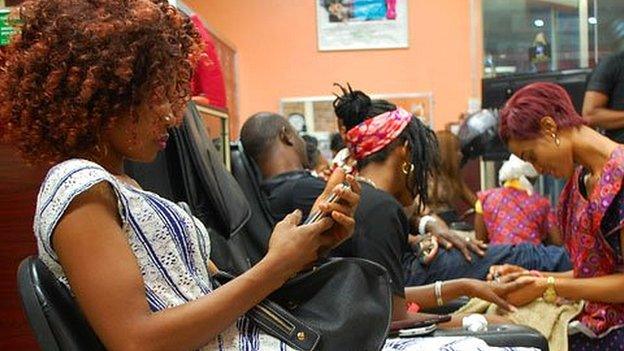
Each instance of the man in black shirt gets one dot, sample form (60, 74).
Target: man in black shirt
(603, 105)
(272, 143)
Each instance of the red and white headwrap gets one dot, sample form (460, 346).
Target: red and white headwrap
(376, 133)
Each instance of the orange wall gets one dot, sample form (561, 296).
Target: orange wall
(278, 56)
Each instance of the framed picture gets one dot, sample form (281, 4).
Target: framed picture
(361, 24)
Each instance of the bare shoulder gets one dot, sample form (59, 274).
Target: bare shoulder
(96, 207)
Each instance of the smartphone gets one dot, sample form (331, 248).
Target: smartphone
(318, 215)
(405, 333)
(418, 320)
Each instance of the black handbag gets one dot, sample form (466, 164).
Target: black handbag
(341, 304)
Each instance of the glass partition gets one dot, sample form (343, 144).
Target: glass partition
(531, 36)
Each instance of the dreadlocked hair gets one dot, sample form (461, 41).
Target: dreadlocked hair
(353, 107)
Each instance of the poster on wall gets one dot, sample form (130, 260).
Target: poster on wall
(361, 24)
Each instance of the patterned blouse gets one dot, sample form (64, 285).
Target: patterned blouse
(512, 216)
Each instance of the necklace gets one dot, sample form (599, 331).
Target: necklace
(366, 180)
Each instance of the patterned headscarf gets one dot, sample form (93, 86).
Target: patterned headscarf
(376, 133)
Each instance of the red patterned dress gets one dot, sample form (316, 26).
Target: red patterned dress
(590, 230)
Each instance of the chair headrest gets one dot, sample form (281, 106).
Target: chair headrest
(248, 175)
(219, 185)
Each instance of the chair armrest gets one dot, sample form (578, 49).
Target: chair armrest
(502, 335)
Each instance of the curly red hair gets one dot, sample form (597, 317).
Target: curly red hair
(77, 65)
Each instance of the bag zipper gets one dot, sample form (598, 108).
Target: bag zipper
(284, 325)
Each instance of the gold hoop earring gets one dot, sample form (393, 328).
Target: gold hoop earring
(407, 168)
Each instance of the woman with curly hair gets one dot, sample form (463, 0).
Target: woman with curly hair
(85, 85)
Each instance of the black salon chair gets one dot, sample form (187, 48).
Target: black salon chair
(55, 318)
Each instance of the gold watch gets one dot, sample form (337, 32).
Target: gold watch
(550, 295)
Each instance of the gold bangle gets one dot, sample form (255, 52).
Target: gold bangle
(550, 294)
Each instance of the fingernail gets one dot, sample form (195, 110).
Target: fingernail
(513, 309)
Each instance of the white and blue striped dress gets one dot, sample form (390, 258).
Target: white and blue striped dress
(172, 249)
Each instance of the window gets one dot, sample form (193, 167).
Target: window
(528, 36)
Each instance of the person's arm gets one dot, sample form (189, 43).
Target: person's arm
(107, 283)
(467, 194)
(494, 292)
(425, 297)
(599, 90)
(506, 269)
(607, 289)
(596, 113)
(481, 232)
(600, 289)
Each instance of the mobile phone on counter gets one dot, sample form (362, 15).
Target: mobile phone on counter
(318, 215)
(417, 324)
(406, 333)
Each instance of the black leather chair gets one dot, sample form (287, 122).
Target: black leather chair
(53, 315)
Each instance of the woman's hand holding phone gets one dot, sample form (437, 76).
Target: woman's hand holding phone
(338, 201)
(294, 246)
